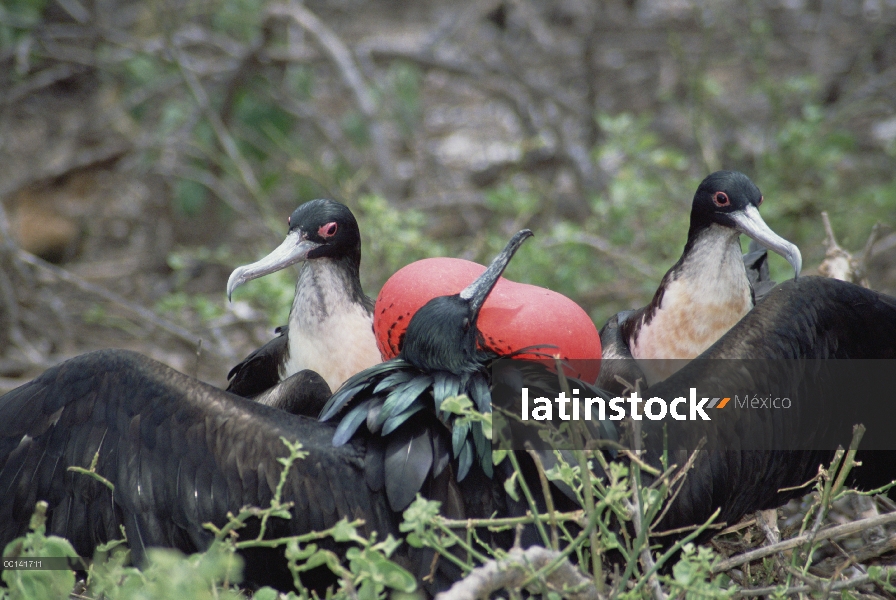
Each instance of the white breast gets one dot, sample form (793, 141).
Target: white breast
(708, 296)
(328, 332)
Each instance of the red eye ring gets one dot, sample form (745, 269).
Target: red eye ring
(328, 230)
(761, 198)
(721, 199)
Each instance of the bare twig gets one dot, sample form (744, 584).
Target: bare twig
(604, 246)
(840, 264)
(679, 477)
(224, 138)
(802, 589)
(144, 313)
(859, 556)
(825, 534)
(42, 79)
(768, 524)
(546, 492)
(351, 75)
(638, 515)
(513, 570)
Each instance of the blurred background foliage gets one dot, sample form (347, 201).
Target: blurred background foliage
(151, 147)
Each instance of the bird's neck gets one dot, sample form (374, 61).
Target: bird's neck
(712, 261)
(699, 300)
(330, 324)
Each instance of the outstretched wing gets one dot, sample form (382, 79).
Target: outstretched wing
(783, 347)
(179, 453)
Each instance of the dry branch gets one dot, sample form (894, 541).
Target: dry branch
(802, 589)
(826, 534)
(224, 138)
(143, 312)
(351, 75)
(510, 573)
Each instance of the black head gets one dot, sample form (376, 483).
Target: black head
(329, 225)
(317, 229)
(722, 194)
(729, 199)
(442, 335)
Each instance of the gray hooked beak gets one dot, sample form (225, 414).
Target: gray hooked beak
(749, 222)
(293, 249)
(478, 291)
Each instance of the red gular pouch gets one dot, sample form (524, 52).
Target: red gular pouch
(515, 315)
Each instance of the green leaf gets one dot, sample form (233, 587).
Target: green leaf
(511, 488)
(344, 531)
(395, 577)
(388, 545)
(683, 572)
(457, 405)
(266, 593)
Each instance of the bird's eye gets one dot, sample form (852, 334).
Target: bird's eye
(328, 230)
(289, 221)
(761, 198)
(721, 199)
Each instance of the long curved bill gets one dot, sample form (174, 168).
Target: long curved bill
(478, 291)
(749, 222)
(293, 249)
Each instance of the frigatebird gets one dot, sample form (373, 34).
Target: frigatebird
(827, 345)
(442, 355)
(330, 330)
(704, 294)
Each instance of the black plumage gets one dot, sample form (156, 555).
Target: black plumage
(401, 399)
(179, 452)
(440, 358)
(260, 371)
(793, 343)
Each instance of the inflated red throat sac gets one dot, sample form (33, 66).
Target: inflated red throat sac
(515, 315)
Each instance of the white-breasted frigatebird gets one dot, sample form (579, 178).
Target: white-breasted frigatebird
(704, 294)
(330, 329)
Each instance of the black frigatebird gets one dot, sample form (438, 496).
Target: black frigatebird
(330, 330)
(441, 356)
(181, 453)
(704, 294)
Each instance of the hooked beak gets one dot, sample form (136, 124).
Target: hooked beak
(478, 291)
(293, 249)
(750, 223)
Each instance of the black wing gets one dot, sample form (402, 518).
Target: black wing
(616, 356)
(180, 453)
(260, 371)
(756, 265)
(752, 454)
(304, 393)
